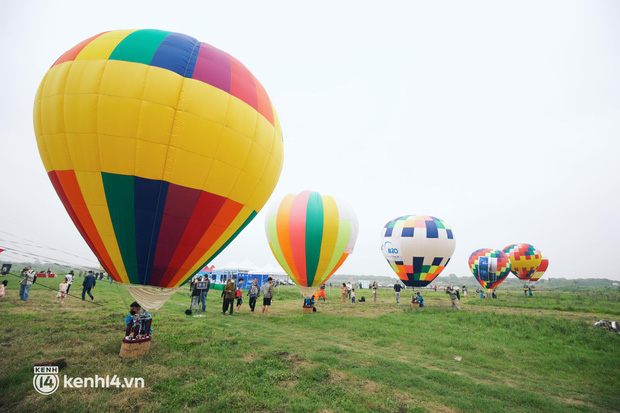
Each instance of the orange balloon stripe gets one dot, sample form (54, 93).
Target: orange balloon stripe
(297, 233)
(65, 183)
(282, 227)
(72, 53)
(225, 216)
(340, 262)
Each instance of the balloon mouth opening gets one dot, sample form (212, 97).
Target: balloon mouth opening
(150, 298)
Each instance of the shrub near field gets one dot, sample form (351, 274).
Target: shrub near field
(516, 354)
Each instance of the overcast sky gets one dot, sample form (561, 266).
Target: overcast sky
(501, 118)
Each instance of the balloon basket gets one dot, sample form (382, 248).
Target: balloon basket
(135, 348)
(415, 304)
(307, 310)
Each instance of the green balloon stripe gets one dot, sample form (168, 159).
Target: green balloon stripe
(314, 235)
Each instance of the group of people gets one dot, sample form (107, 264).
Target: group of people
(348, 292)
(29, 278)
(232, 292)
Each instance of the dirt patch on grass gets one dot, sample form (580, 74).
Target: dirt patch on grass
(249, 357)
(293, 359)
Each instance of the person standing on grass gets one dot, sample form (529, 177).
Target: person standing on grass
(228, 294)
(349, 287)
(353, 296)
(195, 296)
(62, 291)
(454, 297)
(267, 295)
(525, 289)
(69, 278)
(3, 288)
(239, 294)
(343, 289)
(397, 288)
(253, 293)
(87, 285)
(28, 278)
(464, 291)
(204, 292)
(374, 291)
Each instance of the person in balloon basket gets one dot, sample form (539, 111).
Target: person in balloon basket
(239, 294)
(253, 293)
(28, 278)
(267, 295)
(136, 309)
(228, 293)
(397, 288)
(454, 296)
(87, 285)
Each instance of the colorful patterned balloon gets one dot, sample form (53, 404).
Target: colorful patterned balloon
(311, 236)
(490, 267)
(161, 148)
(417, 248)
(540, 271)
(524, 258)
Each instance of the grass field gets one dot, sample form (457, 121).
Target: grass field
(516, 354)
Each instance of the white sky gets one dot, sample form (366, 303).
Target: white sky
(501, 118)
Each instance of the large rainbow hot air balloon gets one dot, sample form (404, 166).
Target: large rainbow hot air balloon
(311, 236)
(525, 259)
(161, 148)
(542, 268)
(490, 267)
(417, 247)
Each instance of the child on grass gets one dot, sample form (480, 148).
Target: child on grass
(62, 291)
(3, 288)
(353, 296)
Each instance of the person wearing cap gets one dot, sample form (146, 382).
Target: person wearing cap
(87, 285)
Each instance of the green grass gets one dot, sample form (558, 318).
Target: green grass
(517, 354)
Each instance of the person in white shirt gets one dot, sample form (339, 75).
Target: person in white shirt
(69, 278)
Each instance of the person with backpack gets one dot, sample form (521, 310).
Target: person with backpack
(254, 293)
(28, 278)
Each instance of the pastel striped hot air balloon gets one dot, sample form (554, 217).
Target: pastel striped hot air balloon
(417, 247)
(311, 236)
(542, 268)
(525, 259)
(161, 148)
(490, 267)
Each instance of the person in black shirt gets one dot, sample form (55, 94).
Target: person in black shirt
(397, 288)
